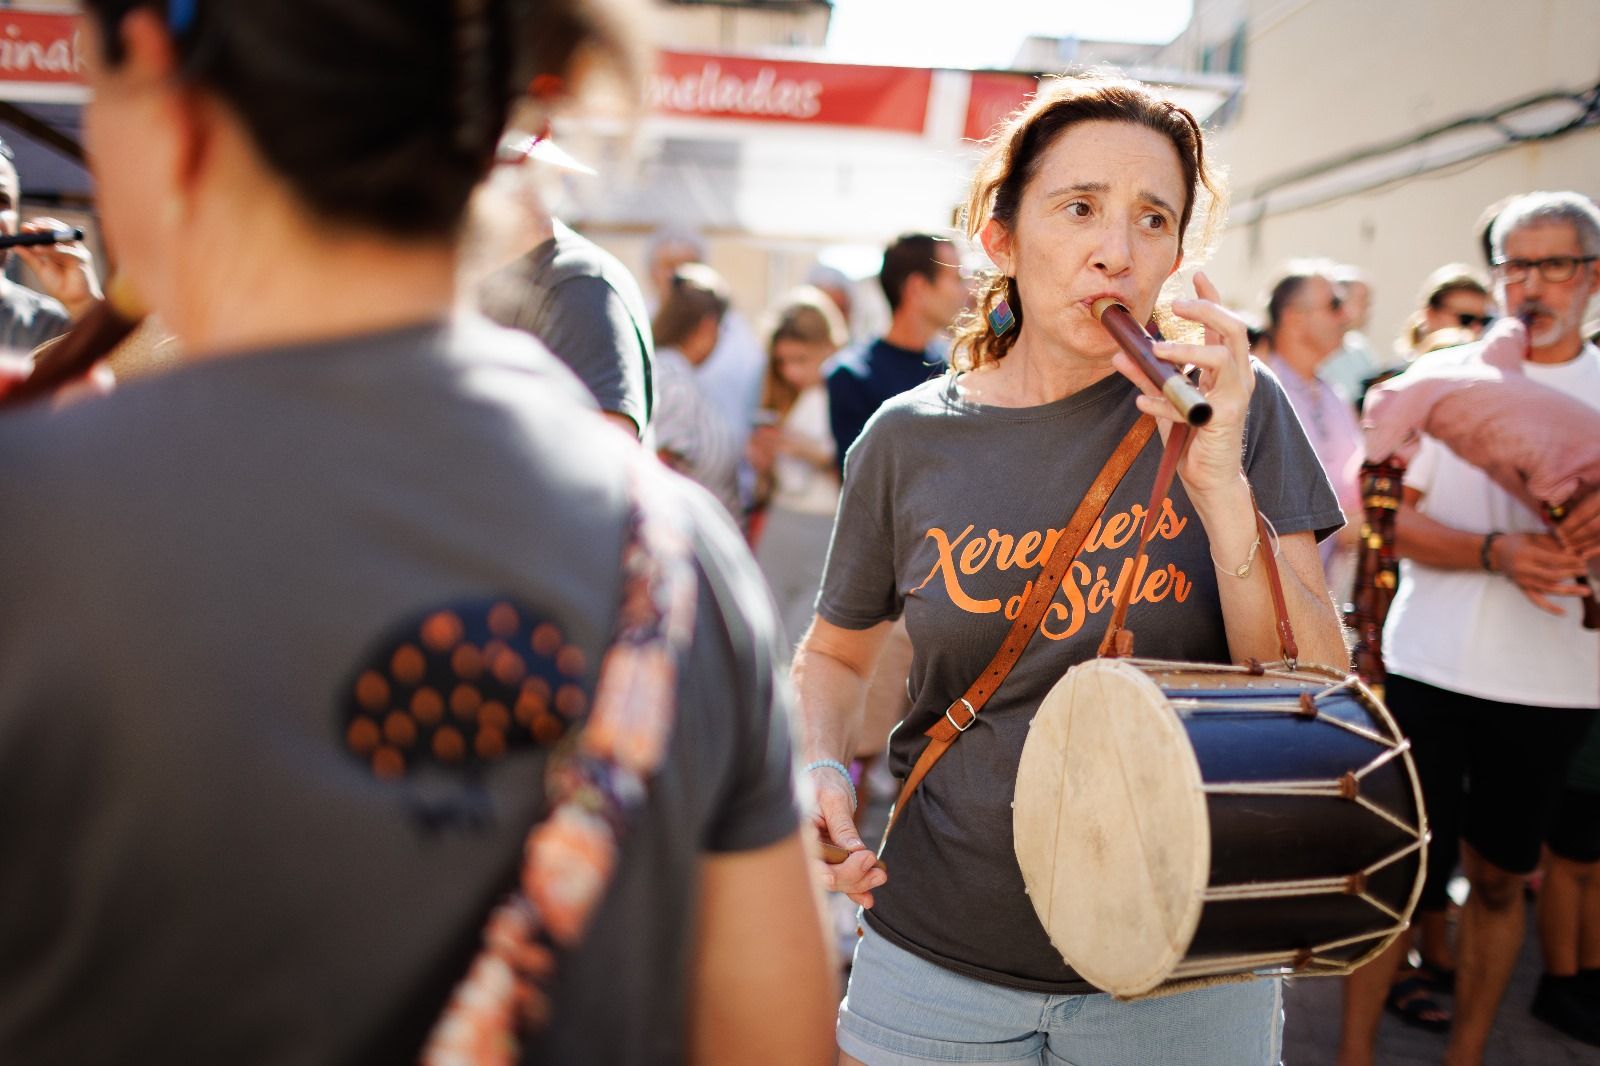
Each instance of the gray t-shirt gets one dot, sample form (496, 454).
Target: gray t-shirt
(194, 867)
(587, 309)
(948, 511)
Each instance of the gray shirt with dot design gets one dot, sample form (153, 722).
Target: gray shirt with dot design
(195, 865)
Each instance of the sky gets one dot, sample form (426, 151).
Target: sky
(986, 33)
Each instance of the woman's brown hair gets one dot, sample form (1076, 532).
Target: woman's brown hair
(808, 317)
(1012, 156)
(381, 114)
(696, 294)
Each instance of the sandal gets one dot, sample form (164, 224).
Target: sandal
(1441, 979)
(1411, 1000)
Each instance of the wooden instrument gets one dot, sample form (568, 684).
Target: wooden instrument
(1555, 514)
(833, 855)
(1377, 567)
(1131, 338)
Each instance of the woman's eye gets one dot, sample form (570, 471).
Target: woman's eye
(1078, 208)
(1155, 221)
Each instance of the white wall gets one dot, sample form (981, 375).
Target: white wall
(1324, 78)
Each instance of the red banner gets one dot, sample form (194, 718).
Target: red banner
(993, 97)
(834, 94)
(38, 49)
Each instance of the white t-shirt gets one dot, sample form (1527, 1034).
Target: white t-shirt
(801, 485)
(687, 425)
(1474, 632)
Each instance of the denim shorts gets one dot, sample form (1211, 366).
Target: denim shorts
(902, 1010)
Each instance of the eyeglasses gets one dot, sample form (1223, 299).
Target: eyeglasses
(1471, 321)
(1555, 269)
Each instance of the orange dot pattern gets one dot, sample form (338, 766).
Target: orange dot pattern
(465, 686)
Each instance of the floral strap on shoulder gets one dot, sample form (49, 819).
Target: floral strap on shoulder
(597, 785)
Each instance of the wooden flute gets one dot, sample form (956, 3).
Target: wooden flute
(833, 855)
(1132, 338)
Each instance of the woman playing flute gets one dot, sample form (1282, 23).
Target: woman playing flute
(951, 502)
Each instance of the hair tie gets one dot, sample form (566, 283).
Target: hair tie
(181, 15)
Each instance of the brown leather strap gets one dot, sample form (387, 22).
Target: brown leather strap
(1118, 641)
(960, 715)
(1280, 609)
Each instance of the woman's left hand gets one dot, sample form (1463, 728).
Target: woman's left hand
(1212, 465)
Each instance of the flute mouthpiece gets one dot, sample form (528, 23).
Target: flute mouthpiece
(1104, 304)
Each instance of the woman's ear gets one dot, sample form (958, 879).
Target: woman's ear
(1177, 264)
(177, 119)
(148, 54)
(996, 240)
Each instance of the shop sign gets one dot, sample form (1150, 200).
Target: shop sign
(38, 48)
(835, 94)
(992, 98)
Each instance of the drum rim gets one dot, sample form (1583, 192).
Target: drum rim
(1374, 701)
(1188, 765)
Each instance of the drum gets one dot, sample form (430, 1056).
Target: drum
(1182, 820)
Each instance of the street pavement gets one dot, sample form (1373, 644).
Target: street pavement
(1311, 1005)
(1311, 1026)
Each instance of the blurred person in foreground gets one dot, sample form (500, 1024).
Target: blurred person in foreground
(574, 296)
(689, 435)
(1086, 192)
(794, 456)
(1490, 672)
(66, 270)
(293, 633)
(1305, 326)
(921, 279)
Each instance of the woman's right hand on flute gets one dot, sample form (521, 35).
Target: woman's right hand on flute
(835, 823)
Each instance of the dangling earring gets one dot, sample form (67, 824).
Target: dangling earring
(1000, 317)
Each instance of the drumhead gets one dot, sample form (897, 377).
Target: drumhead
(1110, 826)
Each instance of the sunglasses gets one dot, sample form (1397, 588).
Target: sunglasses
(1471, 321)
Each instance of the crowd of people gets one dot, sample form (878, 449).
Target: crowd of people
(429, 642)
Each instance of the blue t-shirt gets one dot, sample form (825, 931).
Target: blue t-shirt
(862, 380)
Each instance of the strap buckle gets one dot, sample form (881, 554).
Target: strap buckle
(972, 715)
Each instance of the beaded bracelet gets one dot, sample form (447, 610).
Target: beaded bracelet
(1486, 551)
(844, 771)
